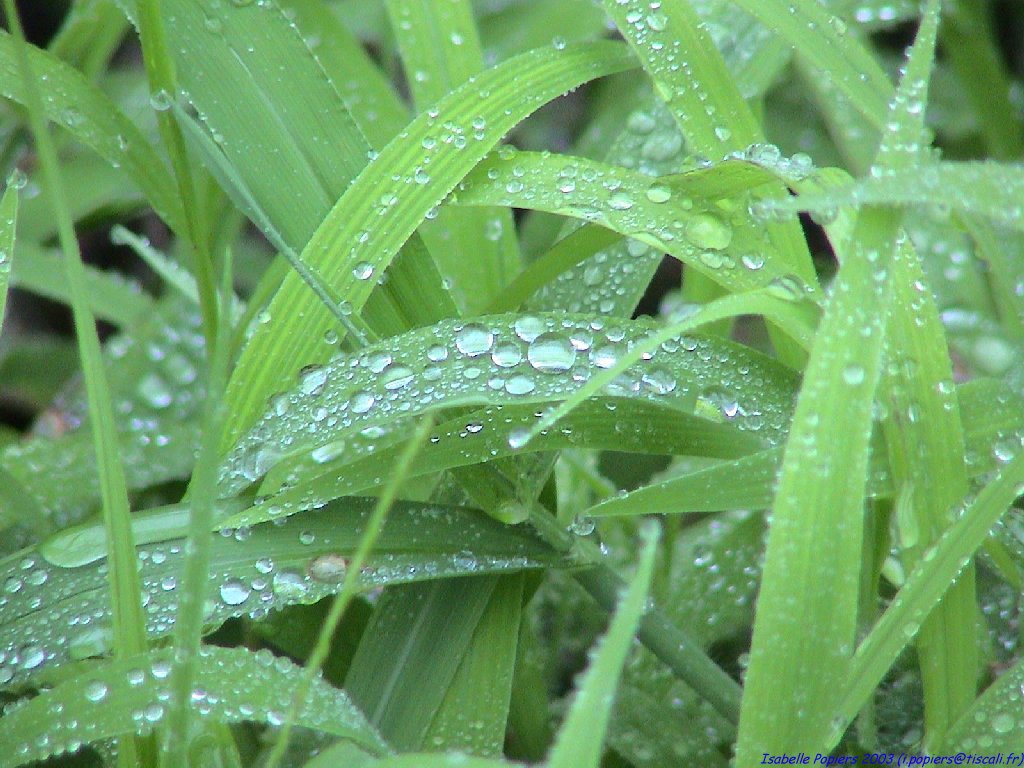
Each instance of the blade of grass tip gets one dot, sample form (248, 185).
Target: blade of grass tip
(176, 277)
(8, 216)
(578, 744)
(128, 621)
(822, 486)
(195, 577)
(353, 568)
(790, 317)
(160, 72)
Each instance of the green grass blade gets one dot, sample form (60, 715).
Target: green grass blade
(821, 496)
(202, 490)
(339, 251)
(939, 567)
(427, 629)
(100, 702)
(8, 217)
(353, 567)
(579, 740)
(473, 717)
(73, 102)
(535, 358)
(926, 456)
(698, 217)
(440, 51)
(829, 46)
(126, 602)
(110, 297)
(262, 568)
(993, 724)
(689, 74)
(976, 188)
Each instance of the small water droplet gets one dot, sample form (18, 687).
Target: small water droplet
(95, 690)
(707, 231)
(853, 374)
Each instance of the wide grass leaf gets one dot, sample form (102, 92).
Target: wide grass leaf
(117, 698)
(59, 608)
(528, 359)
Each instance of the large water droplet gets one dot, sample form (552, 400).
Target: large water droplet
(95, 690)
(234, 592)
(551, 353)
(707, 231)
(474, 339)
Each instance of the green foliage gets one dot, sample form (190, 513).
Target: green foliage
(377, 497)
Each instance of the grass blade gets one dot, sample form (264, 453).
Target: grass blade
(8, 217)
(579, 740)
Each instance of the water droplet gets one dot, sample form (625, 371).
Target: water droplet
(520, 384)
(362, 271)
(474, 339)
(362, 402)
(657, 21)
(853, 374)
(329, 568)
(396, 377)
(1003, 723)
(582, 525)
(436, 353)
(234, 592)
(95, 690)
(507, 354)
(154, 391)
(551, 353)
(517, 438)
(160, 101)
(659, 194)
(529, 328)
(313, 379)
(620, 201)
(707, 231)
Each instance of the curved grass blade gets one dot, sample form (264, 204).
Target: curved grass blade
(698, 217)
(59, 610)
(993, 724)
(157, 382)
(573, 249)
(341, 601)
(92, 118)
(529, 359)
(689, 74)
(984, 189)
(440, 50)
(110, 297)
(389, 211)
(580, 738)
(784, 312)
(484, 436)
(126, 696)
